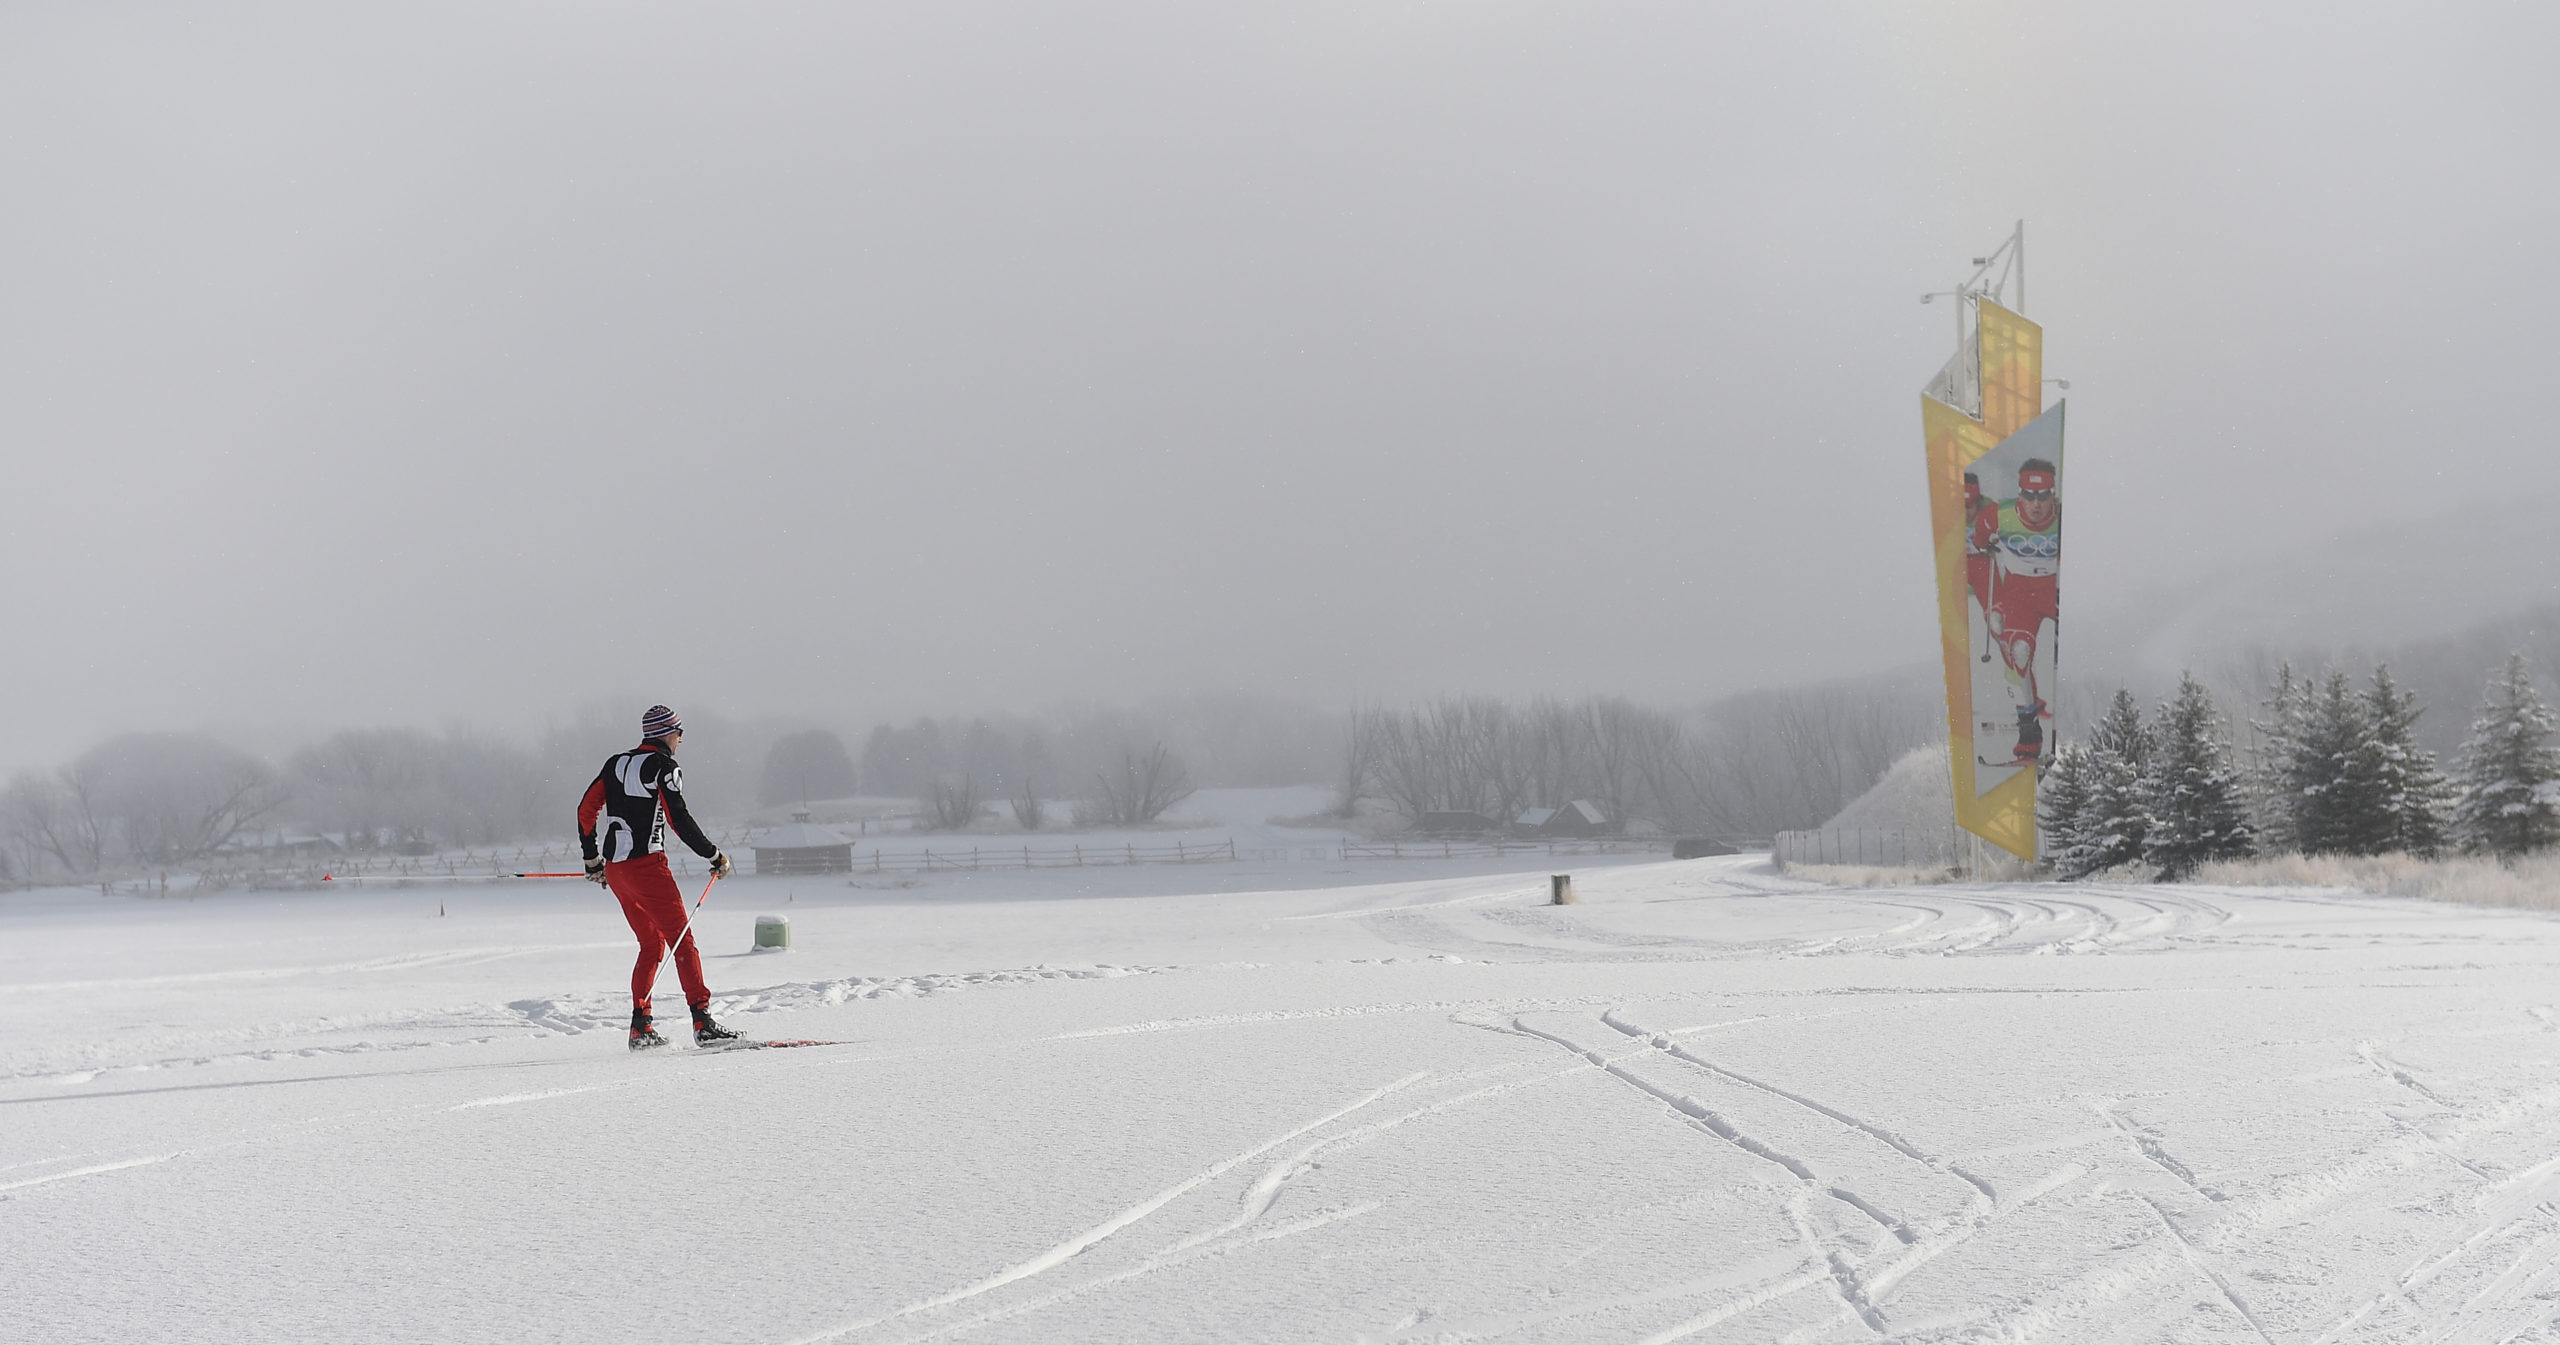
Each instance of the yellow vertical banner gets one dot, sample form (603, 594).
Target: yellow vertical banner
(1995, 521)
(2012, 370)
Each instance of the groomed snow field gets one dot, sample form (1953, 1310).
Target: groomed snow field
(1708, 1103)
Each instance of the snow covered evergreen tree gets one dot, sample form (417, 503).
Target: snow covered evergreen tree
(2279, 741)
(2410, 800)
(2116, 815)
(2062, 800)
(2122, 732)
(2336, 809)
(2197, 812)
(2509, 773)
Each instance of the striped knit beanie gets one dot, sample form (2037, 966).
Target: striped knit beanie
(659, 722)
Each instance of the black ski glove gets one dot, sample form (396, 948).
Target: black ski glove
(595, 869)
(720, 864)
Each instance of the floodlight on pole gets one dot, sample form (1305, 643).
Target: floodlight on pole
(1959, 295)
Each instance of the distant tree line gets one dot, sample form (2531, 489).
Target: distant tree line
(1744, 768)
(139, 801)
(398, 789)
(165, 799)
(2338, 770)
(1113, 766)
(1222, 740)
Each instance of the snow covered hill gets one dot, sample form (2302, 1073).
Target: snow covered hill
(1709, 1103)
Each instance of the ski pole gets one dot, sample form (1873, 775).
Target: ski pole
(433, 877)
(681, 936)
(1991, 599)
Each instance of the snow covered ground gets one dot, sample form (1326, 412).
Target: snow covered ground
(1709, 1103)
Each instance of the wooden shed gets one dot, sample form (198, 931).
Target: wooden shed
(803, 846)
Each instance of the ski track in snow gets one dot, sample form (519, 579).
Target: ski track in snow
(1256, 1202)
(564, 1014)
(1953, 921)
(1077, 1244)
(1862, 1283)
(2205, 1267)
(511, 1099)
(2520, 1223)
(92, 1170)
(453, 957)
(588, 1013)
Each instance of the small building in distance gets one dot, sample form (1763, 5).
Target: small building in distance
(280, 845)
(1581, 817)
(802, 846)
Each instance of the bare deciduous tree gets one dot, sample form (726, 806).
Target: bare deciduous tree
(953, 803)
(1029, 812)
(1764, 762)
(804, 766)
(403, 788)
(53, 817)
(152, 798)
(1359, 760)
(176, 797)
(1137, 791)
(369, 786)
(1453, 754)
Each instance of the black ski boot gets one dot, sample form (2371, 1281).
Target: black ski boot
(709, 1033)
(643, 1036)
(2030, 735)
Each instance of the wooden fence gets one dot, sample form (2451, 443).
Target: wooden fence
(1897, 847)
(256, 871)
(1449, 849)
(1026, 857)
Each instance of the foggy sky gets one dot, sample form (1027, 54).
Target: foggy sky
(412, 365)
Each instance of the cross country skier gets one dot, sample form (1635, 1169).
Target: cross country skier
(636, 794)
(2026, 554)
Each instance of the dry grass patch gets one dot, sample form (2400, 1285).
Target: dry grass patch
(2532, 882)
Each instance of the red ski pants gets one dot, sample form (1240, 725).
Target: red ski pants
(655, 908)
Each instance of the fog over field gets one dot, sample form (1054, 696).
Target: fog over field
(494, 363)
(1323, 615)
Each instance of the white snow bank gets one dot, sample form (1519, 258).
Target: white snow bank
(1912, 796)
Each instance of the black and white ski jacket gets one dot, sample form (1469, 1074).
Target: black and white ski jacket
(636, 794)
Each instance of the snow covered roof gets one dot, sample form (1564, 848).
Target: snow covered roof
(1590, 811)
(1535, 817)
(799, 836)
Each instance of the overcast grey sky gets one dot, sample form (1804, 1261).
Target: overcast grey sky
(411, 364)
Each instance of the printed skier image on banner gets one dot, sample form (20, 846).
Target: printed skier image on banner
(2013, 566)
